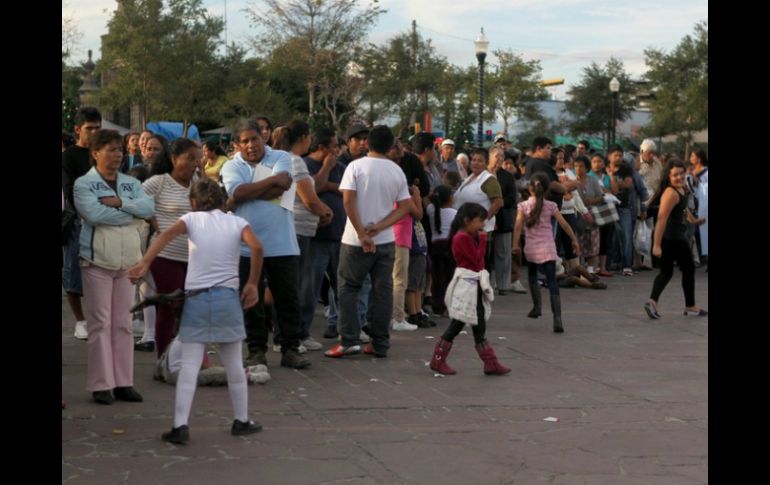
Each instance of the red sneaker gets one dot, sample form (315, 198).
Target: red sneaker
(340, 350)
(369, 350)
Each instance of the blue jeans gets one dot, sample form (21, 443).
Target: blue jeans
(626, 242)
(71, 279)
(355, 266)
(324, 257)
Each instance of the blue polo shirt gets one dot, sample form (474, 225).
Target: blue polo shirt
(273, 224)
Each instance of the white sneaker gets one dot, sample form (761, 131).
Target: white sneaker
(81, 332)
(326, 312)
(364, 338)
(311, 344)
(403, 326)
(517, 287)
(277, 348)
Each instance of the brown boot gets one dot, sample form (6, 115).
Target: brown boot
(492, 366)
(440, 353)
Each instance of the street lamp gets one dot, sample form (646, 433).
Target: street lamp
(482, 45)
(614, 88)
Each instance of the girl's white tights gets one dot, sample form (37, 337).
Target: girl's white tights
(192, 356)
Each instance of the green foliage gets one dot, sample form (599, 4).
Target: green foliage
(318, 39)
(514, 88)
(405, 77)
(590, 105)
(679, 81)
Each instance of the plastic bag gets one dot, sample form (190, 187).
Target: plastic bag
(643, 239)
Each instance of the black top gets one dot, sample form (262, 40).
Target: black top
(412, 167)
(75, 162)
(124, 168)
(535, 165)
(624, 171)
(504, 218)
(676, 227)
(345, 158)
(334, 230)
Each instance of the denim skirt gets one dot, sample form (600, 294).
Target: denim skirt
(215, 315)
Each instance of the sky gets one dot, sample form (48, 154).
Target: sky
(564, 35)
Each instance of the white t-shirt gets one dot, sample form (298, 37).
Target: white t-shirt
(378, 183)
(447, 216)
(215, 249)
(305, 222)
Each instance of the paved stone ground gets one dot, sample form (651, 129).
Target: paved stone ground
(631, 396)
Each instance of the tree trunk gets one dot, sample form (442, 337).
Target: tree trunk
(310, 98)
(185, 128)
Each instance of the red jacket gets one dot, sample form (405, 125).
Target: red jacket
(468, 252)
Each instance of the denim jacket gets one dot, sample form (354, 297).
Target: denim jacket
(110, 237)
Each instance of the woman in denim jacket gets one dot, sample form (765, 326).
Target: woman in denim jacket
(112, 206)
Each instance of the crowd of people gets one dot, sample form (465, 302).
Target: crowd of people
(230, 246)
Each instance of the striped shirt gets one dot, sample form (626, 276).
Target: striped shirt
(172, 201)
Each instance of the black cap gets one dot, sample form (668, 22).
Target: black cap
(355, 129)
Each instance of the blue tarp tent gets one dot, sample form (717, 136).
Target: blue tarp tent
(172, 130)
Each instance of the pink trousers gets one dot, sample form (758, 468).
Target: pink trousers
(108, 298)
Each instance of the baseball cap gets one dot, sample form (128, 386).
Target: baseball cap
(500, 137)
(448, 142)
(355, 129)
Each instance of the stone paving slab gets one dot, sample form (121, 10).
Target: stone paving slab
(631, 396)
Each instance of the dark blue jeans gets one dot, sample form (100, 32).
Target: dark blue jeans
(627, 220)
(354, 266)
(324, 255)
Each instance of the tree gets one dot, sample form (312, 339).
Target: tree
(590, 105)
(325, 33)
(404, 76)
(679, 81)
(191, 90)
(248, 86)
(162, 58)
(70, 35)
(514, 87)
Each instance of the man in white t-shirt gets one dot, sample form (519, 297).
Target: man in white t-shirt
(370, 187)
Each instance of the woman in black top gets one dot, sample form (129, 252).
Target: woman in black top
(670, 242)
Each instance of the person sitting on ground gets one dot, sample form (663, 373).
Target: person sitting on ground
(170, 363)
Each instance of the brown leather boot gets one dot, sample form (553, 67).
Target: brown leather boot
(440, 353)
(492, 366)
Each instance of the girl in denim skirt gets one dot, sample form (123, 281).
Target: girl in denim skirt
(213, 311)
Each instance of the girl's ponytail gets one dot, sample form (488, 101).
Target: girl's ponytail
(538, 185)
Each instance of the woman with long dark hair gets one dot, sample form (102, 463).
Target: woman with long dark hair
(670, 240)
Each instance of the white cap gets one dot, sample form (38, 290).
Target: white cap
(500, 137)
(448, 142)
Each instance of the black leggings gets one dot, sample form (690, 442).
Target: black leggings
(679, 251)
(549, 267)
(479, 330)
(605, 238)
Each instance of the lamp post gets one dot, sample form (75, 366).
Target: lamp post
(614, 88)
(482, 45)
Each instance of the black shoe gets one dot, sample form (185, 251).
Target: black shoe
(256, 357)
(240, 428)
(103, 397)
(292, 358)
(331, 332)
(178, 436)
(417, 319)
(502, 292)
(127, 394)
(426, 318)
(365, 328)
(145, 346)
